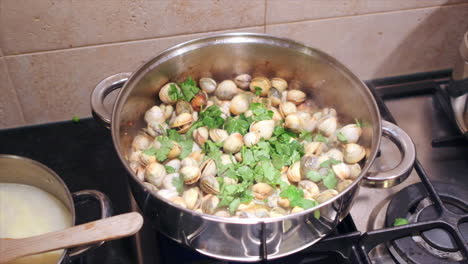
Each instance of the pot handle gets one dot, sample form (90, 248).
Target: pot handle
(100, 92)
(395, 176)
(106, 211)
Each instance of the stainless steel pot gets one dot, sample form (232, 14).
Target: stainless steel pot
(21, 170)
(322, 77)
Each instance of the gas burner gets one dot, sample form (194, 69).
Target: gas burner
(435, 245)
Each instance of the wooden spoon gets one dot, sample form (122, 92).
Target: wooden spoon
(105, 229)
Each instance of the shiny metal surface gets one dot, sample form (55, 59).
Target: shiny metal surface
(391, 177)
(224, 56)
(21, 170)
(460, 72)
(424, 121)
(104, 88)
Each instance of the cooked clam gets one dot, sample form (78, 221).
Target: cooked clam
(200, 135)
(243, 81)
(240, 104)
(327, 125)
(293, 122)
(208, 168)
(351, 132)
(310, 188)
(218, 135)
(275, 97)
(264, 128)
(287, 108)
(226, 90)
(199, 101)
(296, 96)
(208, 85)
(279, 84)
(192, 197)
(354, 170)
(183, 107)
(353, 153)
(191, 174)
(174, 163)
(341, 170)
(209, 185)
(141, 142)
(262, 190)
(210, 204)
(155, 115)
(189, 162)
(155, 173)
(164, 94)
(260, 82)
(233, 143)
(294, 172)
(251, 139)
(178, 201)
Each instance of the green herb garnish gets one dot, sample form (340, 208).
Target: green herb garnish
(296, 197)
(258, 90)
(174, 93)
(178, 182)
(328, 163)
(169, 169)
(186, 146)
(319, 138)
(330, 181)
(239, 125)
(163, 151)
(189, 89)
(400, 222)
(341, 137)
(359, 124)
(260, 112)
(314, 176)
(75, 119)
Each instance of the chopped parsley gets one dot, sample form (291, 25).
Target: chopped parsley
(178, 182)
(296, 197)
(341, 137)
(400, 222)
(258, 90)
(75, 119)
(186, 146)
(163, 151)
(359, 124)
(239, 125)
(330, 181)
(260, 112)
(328, 163)
(189, 89)
(319, 138)
(314, 176)
(169, 169)
(174, 93)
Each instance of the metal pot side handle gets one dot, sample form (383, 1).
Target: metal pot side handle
(395, 176)
(106, 211)
(104, 88)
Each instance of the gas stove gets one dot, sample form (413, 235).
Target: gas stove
(434, 199)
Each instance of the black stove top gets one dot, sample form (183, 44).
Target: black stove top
(83, 155)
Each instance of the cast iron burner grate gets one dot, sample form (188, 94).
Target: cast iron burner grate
(435, 245)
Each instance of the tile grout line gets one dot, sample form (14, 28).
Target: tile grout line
(126, 41)
(14, 91)
(366, 14)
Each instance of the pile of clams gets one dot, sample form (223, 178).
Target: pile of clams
(193, 179)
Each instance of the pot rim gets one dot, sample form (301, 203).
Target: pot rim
(240, 37)
(59, 180)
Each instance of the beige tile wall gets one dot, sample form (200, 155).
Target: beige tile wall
(52, 53)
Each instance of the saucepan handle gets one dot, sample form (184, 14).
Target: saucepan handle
(106, 211)
(100, 92)
(390, 178)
